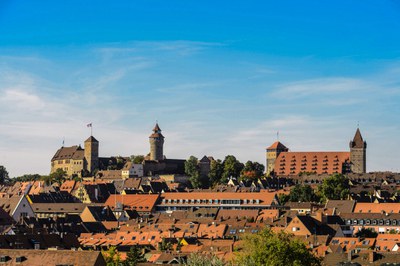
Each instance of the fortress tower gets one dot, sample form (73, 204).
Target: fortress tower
(92, 154)
(358, 153)
(273, 152)
(156, 144)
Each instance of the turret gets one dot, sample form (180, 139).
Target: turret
(156, 144)
(358, 154)
(273, 152)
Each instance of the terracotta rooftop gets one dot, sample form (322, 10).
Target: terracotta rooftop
(139, 202)
(52, 257)
(363, 207)
(277, 146)
(247, 198)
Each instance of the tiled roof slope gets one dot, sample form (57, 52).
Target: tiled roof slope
(74, 152)
(277, 146)
(53, 257)
(358, 141)
(293, 163)
(364, 207)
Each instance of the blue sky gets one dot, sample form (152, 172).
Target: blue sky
(221, 78)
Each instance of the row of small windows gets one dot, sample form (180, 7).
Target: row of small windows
(68, 161)
(212, 201)
(372, 222)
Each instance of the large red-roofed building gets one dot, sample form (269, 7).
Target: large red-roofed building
(282, 162)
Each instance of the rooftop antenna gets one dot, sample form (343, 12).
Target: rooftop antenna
(63, 142)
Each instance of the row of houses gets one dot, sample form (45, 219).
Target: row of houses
(151, 214)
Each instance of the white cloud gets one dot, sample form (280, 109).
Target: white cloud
(17, 98)
(124, 92)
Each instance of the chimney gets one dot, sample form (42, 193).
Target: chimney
(371, 256)
(319, 216)
(350, 255)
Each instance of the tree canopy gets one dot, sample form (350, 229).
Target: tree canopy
(252, 171)
(196, 259)
(134, 256)
(335, 187)
(232, 167)
(137, 159)
(3, 174)
(111, 256)
(59, 176)
(216, 171)
(302, 193)
(274, 249)
(28, 177)
(192, 169)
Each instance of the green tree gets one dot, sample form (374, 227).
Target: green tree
(137, 159)
(197, 259)
(59, 176)
(283, 198)
(274, 249)
(120, 162)
(134, 256)
(47, 179)
(252, 171)
(3, 174)
(28, 177)
(216, 171)
(302, 193)
(192, 169)
(335, 187)
(232, 167)
(111, 256)
(164, 245)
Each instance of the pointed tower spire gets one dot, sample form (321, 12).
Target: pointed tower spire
(358, 153)
(358, 141)
(157, 128)
(156, 144)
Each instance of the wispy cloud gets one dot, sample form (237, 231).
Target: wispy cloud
(320, 87)
(123, 89)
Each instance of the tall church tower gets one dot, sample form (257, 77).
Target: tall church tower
(156, 144)
(273, 152)
(358, 154)
(92, 154)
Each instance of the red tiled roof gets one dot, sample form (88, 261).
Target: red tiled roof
(363, 207)
(265, 198)
(277, 146)
(139, 202)
(293, 163)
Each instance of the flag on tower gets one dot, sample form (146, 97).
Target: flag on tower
(89, 125)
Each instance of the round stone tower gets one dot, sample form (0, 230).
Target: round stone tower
(156, 144)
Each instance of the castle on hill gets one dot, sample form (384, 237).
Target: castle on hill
(282, 162)
(79, 161)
